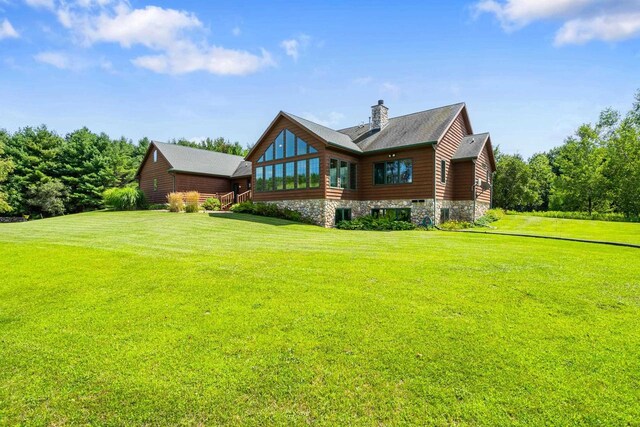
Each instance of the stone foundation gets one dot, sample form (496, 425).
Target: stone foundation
(322, 211)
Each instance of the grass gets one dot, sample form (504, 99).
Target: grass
(121, 318)
(573, 228)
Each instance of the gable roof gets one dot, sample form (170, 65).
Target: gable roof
(418, 128)
(421, 128)
(328, 135)
(472, 145)
(200, 161)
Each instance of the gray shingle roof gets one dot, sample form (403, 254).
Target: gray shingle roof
(422, 127)
(244, 169)
(198, 161)
(470, 146)
(331, 136)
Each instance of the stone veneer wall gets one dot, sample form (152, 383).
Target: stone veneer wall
(322, 211)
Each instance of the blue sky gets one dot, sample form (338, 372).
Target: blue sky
(530, 71)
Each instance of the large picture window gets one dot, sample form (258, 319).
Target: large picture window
(393, 172)
(286, 144)
(342, 174)
(302, 174)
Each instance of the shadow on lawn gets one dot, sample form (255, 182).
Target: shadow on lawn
(255, 218)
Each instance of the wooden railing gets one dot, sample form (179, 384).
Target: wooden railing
(243, 197)
(204, 196)
(226, 200)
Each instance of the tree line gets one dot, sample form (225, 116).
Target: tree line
(595, 170)
(45, 174)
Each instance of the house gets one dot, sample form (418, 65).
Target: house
(168, 168)
(425, 164)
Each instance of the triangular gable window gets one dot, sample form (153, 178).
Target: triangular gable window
(286, 144)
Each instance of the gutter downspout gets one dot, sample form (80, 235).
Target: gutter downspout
(473, 188)
(435, 174)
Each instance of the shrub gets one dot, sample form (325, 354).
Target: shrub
(606, 216)
(492, 215)
(124, 199)
(455, 225)
(157, 206)
(369, 222)
(192, 199)
(211, 204)
(270, 210)
(176, 202)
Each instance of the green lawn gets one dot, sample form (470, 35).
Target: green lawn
(622, 232)
(163, 319)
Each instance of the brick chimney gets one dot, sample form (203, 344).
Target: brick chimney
(379, 116)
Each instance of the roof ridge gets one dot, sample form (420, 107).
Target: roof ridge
(411, 114)
(310, 121)
(194, 148)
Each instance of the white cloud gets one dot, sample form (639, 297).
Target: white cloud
(608, 28)
(293, 47)
(331, 119)
(236, 31)
(363, 81)
(582, 20)
(174, 37)
(390, 89)
(47, 4)
(7, 31)
(56, 59)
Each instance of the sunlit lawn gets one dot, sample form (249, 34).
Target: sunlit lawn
(162, 319)
(623, 232)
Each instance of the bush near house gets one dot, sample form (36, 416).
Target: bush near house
(211, 204)
(176, 202)
(369, 222)
(270, 210)
(124, 199)
(192, 202)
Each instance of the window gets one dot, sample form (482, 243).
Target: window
(353, 177)
(279, 175)
(395, 214)
(155, 184)
(443, 171)
(342, 214)
(268, 178)
(342, 174)
(314, 172)
(302, 147)
(290, 175)
(155, 156)
(488, 175)
(444, 215)
(260, 178)
(280, 146)
(301, 174)
(333, 173)
(268, 155)
(286, 144)
(393, 172)
(290, 140)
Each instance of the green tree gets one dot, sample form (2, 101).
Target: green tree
(581, 184)
(219, 144)
(512, 183)
(48, 197)
(6, 166)
(34, 153)
(542, 178)
(86, 169)
(622, 168)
